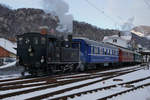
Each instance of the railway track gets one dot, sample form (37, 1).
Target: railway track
(62, 76)
(123, 92)
(47, 83)
(76, 87)
(26, 82)
(128, 84)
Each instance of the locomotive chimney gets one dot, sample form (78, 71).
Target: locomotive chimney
(119, 34)
(44, 30)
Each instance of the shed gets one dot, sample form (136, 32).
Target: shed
(7, 48)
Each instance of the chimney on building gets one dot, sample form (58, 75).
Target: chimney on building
(119, 34)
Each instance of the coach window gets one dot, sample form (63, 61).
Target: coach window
(92, 50)
(35, 40)
(105, 51)
(43, 40)
(114, 52)
(109, 52)
(96, 50)
(99, 50)
(128, 54)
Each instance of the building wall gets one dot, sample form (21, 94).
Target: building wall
(118, 42)
(4, 53)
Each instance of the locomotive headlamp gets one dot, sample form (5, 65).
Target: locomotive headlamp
(27, 41)
(42, 59)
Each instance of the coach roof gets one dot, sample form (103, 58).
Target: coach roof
(92, 42)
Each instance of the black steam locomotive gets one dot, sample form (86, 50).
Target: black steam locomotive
(45, 54)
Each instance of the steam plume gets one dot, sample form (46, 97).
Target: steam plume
(127, 27)
(59, 8)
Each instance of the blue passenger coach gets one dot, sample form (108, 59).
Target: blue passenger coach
(93, 52)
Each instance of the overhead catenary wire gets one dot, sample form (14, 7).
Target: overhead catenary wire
(147, 3)
(102, 12)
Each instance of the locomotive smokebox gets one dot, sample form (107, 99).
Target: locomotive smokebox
(69, 37)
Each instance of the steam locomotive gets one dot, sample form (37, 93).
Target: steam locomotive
(45, 54)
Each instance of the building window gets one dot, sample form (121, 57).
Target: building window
(115, 40)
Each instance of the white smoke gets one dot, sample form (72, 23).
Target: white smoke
(60, 8)
(123, 9)
(127, 27)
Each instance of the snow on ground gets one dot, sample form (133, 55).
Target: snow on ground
(10, 70)
(18, 81)
(16, 90)
(8, 65)
(29, 95)
(100, 94)
(139, 94)
(126, 68)
(131, 76)
(126, 78)
(5, 77)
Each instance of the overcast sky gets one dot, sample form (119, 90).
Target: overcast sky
(101, 13)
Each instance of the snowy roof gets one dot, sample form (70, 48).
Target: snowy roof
(124, 38)
(8, 45)
(122, 41)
